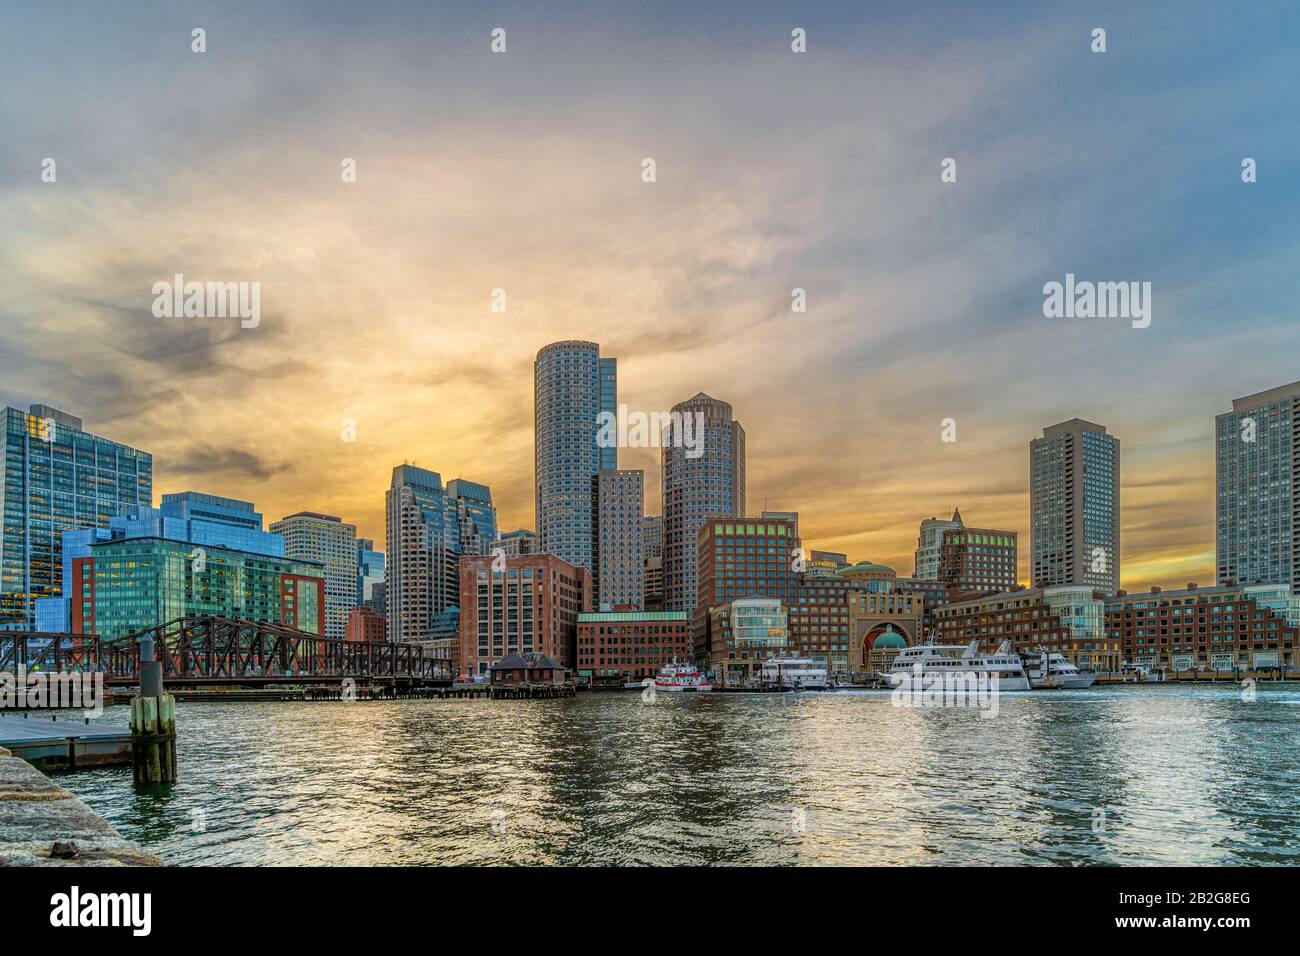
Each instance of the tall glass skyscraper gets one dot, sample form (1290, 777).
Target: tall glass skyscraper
(700, 483)
(429, 528)
(56, 477)
(1074, 506)
(370, 572)
(572, 385)
(1257, 499)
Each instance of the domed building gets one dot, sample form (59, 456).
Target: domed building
(877, 578)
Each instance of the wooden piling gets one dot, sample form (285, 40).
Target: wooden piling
(153, 739)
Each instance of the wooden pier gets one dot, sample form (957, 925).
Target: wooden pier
(63, 744)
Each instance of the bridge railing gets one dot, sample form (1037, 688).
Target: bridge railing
(40, 651)
(214, 648)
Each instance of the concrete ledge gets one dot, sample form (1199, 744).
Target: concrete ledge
(36, 813)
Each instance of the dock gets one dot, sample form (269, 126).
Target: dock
(63, 744)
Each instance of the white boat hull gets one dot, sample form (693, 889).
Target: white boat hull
(680, 689)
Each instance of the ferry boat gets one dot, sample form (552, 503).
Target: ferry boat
(1003, 668)
(676, 678)
(801, 673)
(1060, 672)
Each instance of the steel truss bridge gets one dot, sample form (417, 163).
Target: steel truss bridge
(210, 651)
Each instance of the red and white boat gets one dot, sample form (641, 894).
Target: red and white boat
(677, 678)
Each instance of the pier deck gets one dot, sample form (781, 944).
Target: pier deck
(64, 744)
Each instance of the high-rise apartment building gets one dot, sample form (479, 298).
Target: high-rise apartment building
(572, 385)
(328, 541)
(703, 477)
(1257, 497)
(619, 578)
(929, 545)
(1074, 506)
(429, 528)
(529, 606)
(56, 477)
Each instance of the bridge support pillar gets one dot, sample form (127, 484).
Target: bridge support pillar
(153, 723)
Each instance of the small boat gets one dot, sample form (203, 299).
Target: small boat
(678, 678)
(799, 673)
(1060, 673)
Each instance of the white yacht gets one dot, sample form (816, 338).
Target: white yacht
(801, 673)
(677, 678)
(1060, 672)
(928, 661)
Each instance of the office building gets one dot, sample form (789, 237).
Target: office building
(365, 625)
(130, 584)
(530, 606)
(742, 634)
(56, 477)
(978, 560)
(703, 477)
(619, 647)
(515, 543)
(572, 385)
(619, 553)
(370, 573)
(429, 529)
(329, 542)
(1074, 506)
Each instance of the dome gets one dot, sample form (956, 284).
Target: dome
(863, 567)
(890, 640)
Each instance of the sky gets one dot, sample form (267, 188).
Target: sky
(775, 170)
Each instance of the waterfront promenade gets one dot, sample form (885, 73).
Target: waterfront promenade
(42, 824)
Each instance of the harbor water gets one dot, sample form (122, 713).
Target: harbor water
(1124, 775)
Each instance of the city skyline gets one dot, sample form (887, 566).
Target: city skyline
(924, 299)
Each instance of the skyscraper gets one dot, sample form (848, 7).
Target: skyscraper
(572, 385)
(429, 527)
(620, 533)
(56, 477)
(370, 574)
(705, 481)
(1257, 499)
(1074, 506)
(327, 541)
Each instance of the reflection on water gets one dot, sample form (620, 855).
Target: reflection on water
(1158, 775)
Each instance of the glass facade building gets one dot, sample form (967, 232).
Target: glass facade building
(370, 571)
(136, 583)
(1257, 500)
(429, 528)
(572, 385)
(57, 477)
